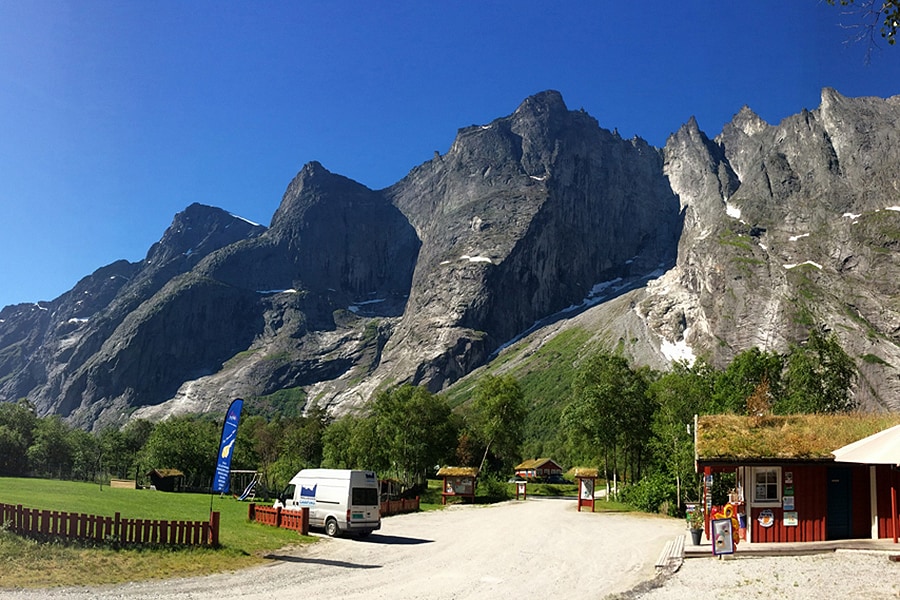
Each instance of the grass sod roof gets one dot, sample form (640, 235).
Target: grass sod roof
(165, 473)
(534, 463)
(584, 472)
(458, 472)
(789, 437)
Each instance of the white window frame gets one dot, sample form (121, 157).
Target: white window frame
(776, 501)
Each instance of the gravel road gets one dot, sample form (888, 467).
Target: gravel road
(539, 548)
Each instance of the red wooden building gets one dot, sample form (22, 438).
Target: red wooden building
(539, 468)
(788, 486)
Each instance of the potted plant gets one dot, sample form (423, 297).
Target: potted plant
(695, 524)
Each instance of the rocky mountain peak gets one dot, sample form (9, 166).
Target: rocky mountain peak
(688, 133)
(309, 186)
(547, 105)
(748, 122)
(198, 230)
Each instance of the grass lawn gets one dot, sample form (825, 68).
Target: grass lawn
(30, 564)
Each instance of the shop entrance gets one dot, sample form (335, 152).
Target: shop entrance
(838, 519)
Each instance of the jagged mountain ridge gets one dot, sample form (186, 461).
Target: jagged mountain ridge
(706, 246)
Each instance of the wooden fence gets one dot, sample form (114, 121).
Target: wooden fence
(397, 507)
(296, 520)
(77, 527)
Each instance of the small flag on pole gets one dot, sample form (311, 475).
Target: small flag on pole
(222, 479)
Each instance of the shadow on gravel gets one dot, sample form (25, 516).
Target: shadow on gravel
(319, 561)
(394, 540)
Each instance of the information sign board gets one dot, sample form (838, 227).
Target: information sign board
(722, 536)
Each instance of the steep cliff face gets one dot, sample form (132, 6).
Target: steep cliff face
(788, 226)
(521, 219)
(534, 222)
(64, 336)
(329, 234)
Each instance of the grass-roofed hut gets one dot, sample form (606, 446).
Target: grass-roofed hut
(458, 482)
(788, 485)
(166, 480)
(586, 479)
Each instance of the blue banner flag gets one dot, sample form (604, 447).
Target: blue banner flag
(222, 480)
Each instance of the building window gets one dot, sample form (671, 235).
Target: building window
(766, 485)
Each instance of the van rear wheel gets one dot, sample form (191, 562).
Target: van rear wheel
(331, 527)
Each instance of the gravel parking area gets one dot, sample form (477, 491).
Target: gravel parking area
(539, 548)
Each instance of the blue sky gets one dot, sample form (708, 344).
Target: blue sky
(116, 115)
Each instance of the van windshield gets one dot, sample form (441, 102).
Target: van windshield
(364, 496)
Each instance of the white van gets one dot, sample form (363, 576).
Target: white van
(339, 500)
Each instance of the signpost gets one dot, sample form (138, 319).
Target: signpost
(586, 479)
(521, 490)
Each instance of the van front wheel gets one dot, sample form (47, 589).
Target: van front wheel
(331, 528)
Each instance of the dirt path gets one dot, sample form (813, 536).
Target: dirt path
(541, 548)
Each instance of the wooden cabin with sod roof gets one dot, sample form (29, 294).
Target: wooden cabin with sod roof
(789, 487)
(538, 469)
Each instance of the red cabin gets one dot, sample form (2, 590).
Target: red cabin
(788, 486)
(538, 469)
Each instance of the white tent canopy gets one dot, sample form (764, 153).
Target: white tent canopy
(882, 448)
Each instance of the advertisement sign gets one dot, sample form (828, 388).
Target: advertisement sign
(222, 478)
(788, 502)
(766, 518)
(790, 518)
(722, 536)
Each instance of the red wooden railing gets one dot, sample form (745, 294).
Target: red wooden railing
(78, 527)
(296, 520)
(396, 507)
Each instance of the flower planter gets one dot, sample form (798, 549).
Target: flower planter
(696, 535)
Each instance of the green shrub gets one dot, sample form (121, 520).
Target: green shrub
(650, 493)
(491, 489)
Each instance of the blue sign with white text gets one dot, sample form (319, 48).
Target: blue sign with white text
(222, 479)
(308, 495)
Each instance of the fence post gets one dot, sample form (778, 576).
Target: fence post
(214, 528)
(251, 512)
(304, 529)
(278, 517)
